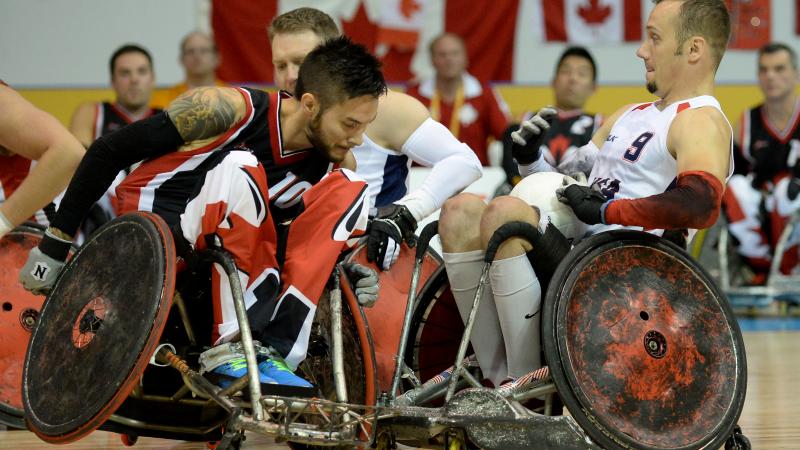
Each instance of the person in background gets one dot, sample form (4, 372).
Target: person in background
(472, 110)
(763, 192)
(200, 59)
(574, 81)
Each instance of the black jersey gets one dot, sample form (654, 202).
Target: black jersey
(765, 151)
(165, 184)
(568, 129)
(110, 117)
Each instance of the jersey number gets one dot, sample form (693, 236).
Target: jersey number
(633, 152)
(289, 191)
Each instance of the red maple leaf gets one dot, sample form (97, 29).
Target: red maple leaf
(408, 8)
(594, 13)
(558, 146)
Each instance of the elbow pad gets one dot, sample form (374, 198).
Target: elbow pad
(693, 203)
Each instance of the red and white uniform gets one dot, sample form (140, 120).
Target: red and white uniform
(236, 192)
(482, 114)
(634, 162)
(756, 203)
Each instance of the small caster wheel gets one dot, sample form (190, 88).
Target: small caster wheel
(737, 440)
(128, 440)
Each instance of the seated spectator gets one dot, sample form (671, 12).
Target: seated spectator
(472, 110)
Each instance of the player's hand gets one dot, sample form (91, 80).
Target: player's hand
(527, 140)
(587, 204)
(44, 264)
(366, 283)
(393, 225)
(578, 159)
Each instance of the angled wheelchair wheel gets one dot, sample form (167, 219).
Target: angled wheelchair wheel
(19, 311)
(643, 347)
(98, 327)
(436, 329)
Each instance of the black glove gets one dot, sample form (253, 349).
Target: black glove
(393, 225)
(45, 262)
(527, 140)
(586, 203)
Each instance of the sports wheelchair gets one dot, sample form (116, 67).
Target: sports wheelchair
(641, 348)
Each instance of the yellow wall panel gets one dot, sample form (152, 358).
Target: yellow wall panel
(734, 98)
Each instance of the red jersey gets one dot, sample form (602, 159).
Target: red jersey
(483, 112)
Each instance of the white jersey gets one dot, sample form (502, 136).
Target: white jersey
(385, 170)
(454, 167)
(634, 162)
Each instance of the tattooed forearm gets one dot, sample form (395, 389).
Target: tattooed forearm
(203, 113)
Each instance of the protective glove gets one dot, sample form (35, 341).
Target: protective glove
(365, 281)
(587, 204)
(580, 159)
(527, 140)
(45, 262)
(393, 225)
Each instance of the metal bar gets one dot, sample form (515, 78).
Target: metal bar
(336, 332)
(198, 380)
(187, 325)
(462, 348)
(133, 423)
(225, 260)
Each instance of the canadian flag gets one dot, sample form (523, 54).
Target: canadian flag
(592, 21)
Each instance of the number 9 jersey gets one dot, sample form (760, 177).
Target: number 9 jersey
(634, 161)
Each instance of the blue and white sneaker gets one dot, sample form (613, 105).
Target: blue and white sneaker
(276, 369)
(234, 369)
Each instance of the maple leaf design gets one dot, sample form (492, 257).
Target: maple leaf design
(408, 8)
(594, 13)
(558, 147)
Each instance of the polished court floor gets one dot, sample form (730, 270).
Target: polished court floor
(771, 416)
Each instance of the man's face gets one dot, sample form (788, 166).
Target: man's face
(660, 47)
(341, 127)
(133, 80)
(449, 58)
(776, 76)
(573, 83)
(198, 56)
(288, 52)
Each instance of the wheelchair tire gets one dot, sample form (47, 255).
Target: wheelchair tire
(643, 347)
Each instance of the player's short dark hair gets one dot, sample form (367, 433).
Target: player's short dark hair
(338, 70)
(706, 18)
(128, 48)
(775, 47)
(304, 19)
(580, 52)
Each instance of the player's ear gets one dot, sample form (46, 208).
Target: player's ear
(309, 103)
(697, 46)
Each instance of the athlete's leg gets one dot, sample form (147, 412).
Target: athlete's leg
(231, 211)
(335, 214)
(516, 289)
(459, 229)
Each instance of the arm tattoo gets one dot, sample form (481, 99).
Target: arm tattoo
(202, 113)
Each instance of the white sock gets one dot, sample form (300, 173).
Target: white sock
(518, 298)
(464, 272)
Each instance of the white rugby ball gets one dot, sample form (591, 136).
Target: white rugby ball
(539, 189)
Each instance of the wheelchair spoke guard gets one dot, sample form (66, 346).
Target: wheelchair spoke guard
(99, 327)
(643, 347)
